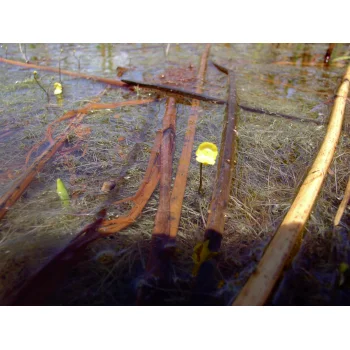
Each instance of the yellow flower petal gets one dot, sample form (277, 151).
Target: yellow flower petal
(58, 88)
(207, 153)
(200, 254)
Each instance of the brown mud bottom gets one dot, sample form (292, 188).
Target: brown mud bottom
(310, 282)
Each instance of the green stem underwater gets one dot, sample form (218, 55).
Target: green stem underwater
(200, 178)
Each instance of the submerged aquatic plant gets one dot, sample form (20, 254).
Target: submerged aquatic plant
(58, 88)
(62, 193)
(206, 154)
(36, 78)
(200, 254)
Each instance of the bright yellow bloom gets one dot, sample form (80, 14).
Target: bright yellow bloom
(58, 88)
(207, 153)
(200, 254)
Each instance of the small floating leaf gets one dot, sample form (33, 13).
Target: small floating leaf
(62, 193)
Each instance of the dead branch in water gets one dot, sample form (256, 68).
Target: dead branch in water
(285, 242)
(178, 192)
(66, 72)
(206, 276)
(161, 230)
(221, 193)
(176, 91)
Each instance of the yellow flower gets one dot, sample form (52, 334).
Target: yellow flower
(200, 254)
(207, 153)
(58, 88)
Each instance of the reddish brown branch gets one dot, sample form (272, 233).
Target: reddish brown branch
(176, 91)
(66, 72)
(161, 229)
(178, 192)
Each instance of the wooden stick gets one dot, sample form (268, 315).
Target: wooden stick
(277, 114)
(221, 193)
(142, 195)
(343, 204)
(178, 192)
(161, 230)
(175, 90)
(66, 72)
(282, 246)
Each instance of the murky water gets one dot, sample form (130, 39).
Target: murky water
(273, 156)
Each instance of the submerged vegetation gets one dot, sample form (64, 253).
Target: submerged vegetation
(96, 135)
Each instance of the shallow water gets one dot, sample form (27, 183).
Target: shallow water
(273, 156)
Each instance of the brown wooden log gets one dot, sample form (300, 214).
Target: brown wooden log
(221, 192)
(282, 246)
(161, 230)
(178, 192)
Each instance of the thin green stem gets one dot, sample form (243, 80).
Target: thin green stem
(59, 68)
(37, 81)
(200, 178)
